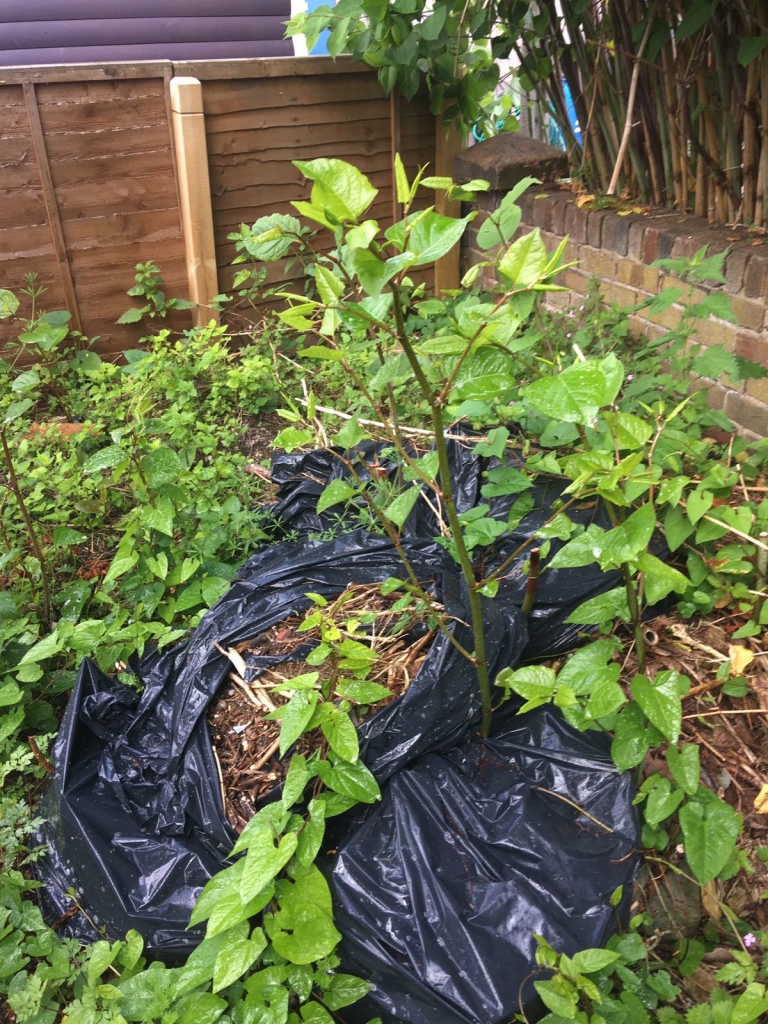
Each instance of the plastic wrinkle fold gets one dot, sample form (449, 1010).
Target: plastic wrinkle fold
(476, 843)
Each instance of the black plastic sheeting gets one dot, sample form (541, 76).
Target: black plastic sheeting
(440, 886)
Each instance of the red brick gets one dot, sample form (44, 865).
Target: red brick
(752, 346)
(735, 268)
(650, 251)
(576, 223)
(754, 277)
(595, 228)
(747, 412)
(635, 240)
(542, 213)
(748, 312)
(558, 215)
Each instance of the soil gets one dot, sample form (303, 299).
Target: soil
(246, 743)
(732, 734)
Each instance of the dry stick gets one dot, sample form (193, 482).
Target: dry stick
(670, 103)
(762, 179)
(750, 139)
(576, 806)
(630, 105)
(30, 527)
(709, 714)
(221, 777)
(41, 759)
(533, 580)
(270, 752)
(377, 423)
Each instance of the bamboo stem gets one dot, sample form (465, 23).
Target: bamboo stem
(630, 105)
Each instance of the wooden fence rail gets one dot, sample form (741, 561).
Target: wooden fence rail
(91, 182)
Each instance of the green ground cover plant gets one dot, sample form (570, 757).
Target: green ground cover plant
(122, 532)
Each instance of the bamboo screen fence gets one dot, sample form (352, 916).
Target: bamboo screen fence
(89, 176)
(699, 123)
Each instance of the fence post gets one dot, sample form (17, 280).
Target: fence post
(195, 195)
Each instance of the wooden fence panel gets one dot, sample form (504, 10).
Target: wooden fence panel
(95, 192)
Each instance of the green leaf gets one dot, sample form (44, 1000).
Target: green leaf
(710, 830)
(662, 800)
(584, 549)
(130, 316)
(16, 409)
(293, 437)
(341, 735)
(431, 236)
(336, 491)
(271, 237)
(715, 361)
(344, 990)
(684, 766)
(313, 832)
(160, 516)
(236, 957)
(295, 780)
(221, 903)
(148, 994)
(588, 961)
(624, 543)
(602, 608)
(212, 589)
(398, 510)
(660, 579)
(323, 352)
(503, 480)
(8, 606)
(699, 502)
(120, 565)
(45, 335)
(629, 432)
(302, 929)
(295, 716)
(106, 458)
(45, 648)
(340, 189)
(161, 465)
(631, 739)
(63, 536)
(677, 527)
(525, 260)
(401, 179)
(751, 47)
(751, 1004)
(350, 434)
(430, 29)
(374, 273)
(579, 392)
(329, 287)
(494, 444)
(26, 380)
(314, 1013)
(8, 303)
(350, 780)
(362, 691)
(264, 861)
(362, 236)
(534, 682)
(660, 700)
(501, 224)
(695, 18)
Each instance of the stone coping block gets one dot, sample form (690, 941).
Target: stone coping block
(508, 158)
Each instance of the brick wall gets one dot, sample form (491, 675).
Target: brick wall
(619, 250)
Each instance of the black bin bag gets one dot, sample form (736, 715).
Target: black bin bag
(438, 887)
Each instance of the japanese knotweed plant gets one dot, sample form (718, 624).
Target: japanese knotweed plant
(460, 351)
